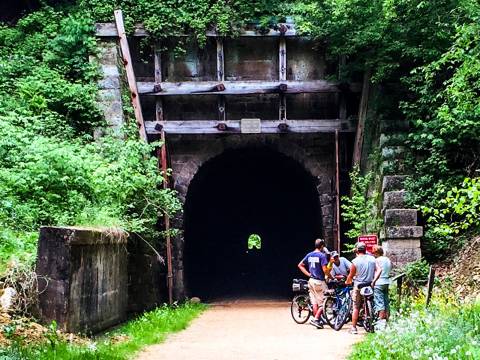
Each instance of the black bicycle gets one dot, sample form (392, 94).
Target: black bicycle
(301, 307)
(367, 313)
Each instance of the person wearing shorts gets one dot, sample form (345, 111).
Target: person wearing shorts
(314, 265)
(363, 269)
(380, 283)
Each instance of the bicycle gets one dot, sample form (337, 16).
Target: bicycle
(337, 305)
(368, 314)
(301, 307)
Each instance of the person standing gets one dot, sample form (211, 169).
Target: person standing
(380, 284)
(363, 269)
(314, 265)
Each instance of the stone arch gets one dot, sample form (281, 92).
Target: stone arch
(302, 151)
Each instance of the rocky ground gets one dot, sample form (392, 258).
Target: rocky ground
(463, 271)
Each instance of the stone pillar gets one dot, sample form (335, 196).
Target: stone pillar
(109, 93)
(85, 272)
(401, 235)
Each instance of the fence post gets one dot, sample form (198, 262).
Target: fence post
(431, 279)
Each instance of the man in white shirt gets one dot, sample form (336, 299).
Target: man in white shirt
(340, 267)
(381, 282)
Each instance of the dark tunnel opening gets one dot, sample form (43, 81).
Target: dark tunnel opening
(244, 192)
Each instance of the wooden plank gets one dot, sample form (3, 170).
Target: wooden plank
(158, 81)
(362, 116)
(109, 30)
(282, 76)
(233, 126)
(221, 77)
(240, 87)
(337, 190)
(132, 83)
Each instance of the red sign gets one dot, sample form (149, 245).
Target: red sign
(369, 240)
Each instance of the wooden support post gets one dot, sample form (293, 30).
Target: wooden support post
(431, 280)
(342, 106)
(162, 154)
(337, 189)
(221, 78)
(282, 76)
(132, 83)
(362, 115)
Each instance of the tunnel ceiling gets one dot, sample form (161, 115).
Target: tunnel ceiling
(244, 192)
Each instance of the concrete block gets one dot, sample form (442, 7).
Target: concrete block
(400, 217)
(87, 272)
(393, 182)
(394, 199)
(403, 251)
(403, 232)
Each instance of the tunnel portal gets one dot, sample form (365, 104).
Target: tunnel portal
(239, 193)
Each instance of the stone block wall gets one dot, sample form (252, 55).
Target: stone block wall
(401, 234)
(86, 272)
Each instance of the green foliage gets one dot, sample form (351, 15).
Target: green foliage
(254, 241)
(51, 170)
(457, 211)
(150, 328)
(173, 17)
(360, 208)
(445, 331)
(417, 272)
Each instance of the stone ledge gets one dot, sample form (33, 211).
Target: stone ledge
(394, 199)
(403, 232)
(393, 182)
(400, 217)
(85, 236)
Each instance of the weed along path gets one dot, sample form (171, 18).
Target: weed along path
(247, 330)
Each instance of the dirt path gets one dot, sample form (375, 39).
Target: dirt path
(251, 330)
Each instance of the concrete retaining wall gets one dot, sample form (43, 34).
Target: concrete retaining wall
(87, 277)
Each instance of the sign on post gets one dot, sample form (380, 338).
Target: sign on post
(250, 126)
(369, 240)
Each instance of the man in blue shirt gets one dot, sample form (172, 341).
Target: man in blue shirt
(314, 265)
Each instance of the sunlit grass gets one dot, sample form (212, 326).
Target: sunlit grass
(123, 343)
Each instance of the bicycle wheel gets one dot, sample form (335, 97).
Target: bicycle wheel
(330, 310)
(300, 309)
(343, 315)
(368, 318)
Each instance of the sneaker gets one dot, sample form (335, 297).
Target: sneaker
(317, 323)
(353, 330)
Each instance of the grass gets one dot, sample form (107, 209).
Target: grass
(122, 343)
(17, 246)
(447, 331)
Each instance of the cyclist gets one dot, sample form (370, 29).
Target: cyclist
(316, 262)
(363, 269)
(380, 284)
(340, 267)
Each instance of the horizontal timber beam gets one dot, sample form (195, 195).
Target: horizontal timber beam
(243, 87)
(109, 30)
(233, 126)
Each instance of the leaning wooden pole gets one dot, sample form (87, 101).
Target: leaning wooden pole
(362, 116)
(164, 167)
(132, 83)
(337, 189)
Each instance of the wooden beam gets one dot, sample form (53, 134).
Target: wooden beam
(221, 77)
(132, 83)
(362, 115)
(241, 87)
(282, 76)
(337, 190)
(109, 30)
(233, 126)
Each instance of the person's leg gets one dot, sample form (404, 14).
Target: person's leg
(378, 301)
(319, 293)
(387, 302)
(357, 302)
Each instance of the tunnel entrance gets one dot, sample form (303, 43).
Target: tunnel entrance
(239, 193)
